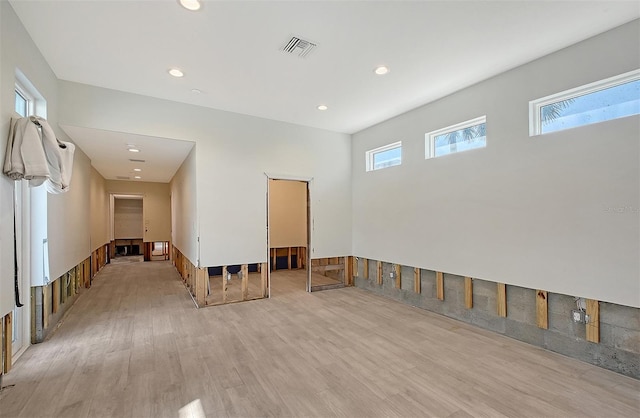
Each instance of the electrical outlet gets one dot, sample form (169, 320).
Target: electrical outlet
(392, 275)
(578, 315)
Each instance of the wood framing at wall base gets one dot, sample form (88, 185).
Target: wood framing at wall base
(440, 285)
(7, 332)
(397, 269)
(593, 321)
(379, 272)
(365, 267)
(468, 292)
(542, 310)
(417, 285)
(501, 300)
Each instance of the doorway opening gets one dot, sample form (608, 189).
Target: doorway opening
(127, 227)
(288, 235)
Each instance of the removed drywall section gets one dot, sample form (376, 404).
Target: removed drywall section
(537, 212)
(618, 350)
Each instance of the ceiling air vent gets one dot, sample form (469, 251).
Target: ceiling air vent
(133, 160)
(299, 46)
(123, 178)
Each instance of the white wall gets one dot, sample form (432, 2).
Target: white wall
(527, 211)
(287, 213)
(69, 236)
(233, 154)
(184, 217)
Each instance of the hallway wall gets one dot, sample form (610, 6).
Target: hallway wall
(68, 219)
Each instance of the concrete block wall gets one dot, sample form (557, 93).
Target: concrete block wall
(619, 347)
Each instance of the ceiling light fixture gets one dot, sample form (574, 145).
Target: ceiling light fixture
(192, 5)
(381, 70)
(134, 150)
(137, 169)
(176, 73)
(137, 177)
(197, 91)
(322, 107)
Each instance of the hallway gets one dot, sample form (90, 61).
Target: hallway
(134, 345)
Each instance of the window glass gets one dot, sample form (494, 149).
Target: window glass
(606, 104)
(463, 136)
(383, 157)
(21, 104)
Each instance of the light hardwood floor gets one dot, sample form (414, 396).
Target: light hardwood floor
(134, 345)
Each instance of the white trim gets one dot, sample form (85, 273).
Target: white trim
(535, 122)
(369, 155)
(430, 137)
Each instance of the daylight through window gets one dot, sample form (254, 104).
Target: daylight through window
(383, 157)
(613, 98)
(464, 136)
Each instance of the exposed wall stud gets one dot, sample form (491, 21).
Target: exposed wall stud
(263, 280)
(55, 289)
(289, 258)
(46, 305)
(440, 285)
(542, 319)
(365, 268)
(379, 272)
(225, 273)
(398, 273)
(501, 301)
(8, 337)
(468, 292)
(593, 322)
(417, 286)
(245, 279)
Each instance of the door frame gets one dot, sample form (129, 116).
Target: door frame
(22, 315)
(309, 182)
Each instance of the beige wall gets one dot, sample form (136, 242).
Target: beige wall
(156, 206)
(99, 203)
(287, 213)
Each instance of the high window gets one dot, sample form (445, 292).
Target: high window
(383, 157)
(613, 98)
(463, 136)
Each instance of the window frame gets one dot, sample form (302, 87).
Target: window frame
(430, 137)
(370, 155)
(28, 97)
(535, 106)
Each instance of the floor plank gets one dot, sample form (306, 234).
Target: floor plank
(134, 345)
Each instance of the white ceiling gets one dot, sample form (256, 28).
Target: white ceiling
(109, 154)
(231, 50)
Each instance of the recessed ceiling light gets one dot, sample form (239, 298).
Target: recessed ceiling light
(381, 70)
(134, 150)
(176, 73)
(137, 169)
(322, 107)
(197, 91)
(192, 5)
(137, 177)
